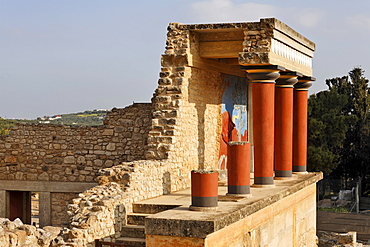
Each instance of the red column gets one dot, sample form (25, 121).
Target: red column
(238, 169)
(263, 101)
(204, 190)
(284, 124)
(300, 104)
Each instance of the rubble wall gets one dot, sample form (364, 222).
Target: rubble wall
(57, 153)
(101, 211)
(45, 152)
(59, 204)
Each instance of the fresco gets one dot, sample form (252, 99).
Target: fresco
(234, 114)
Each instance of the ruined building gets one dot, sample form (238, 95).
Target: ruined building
(219, 83)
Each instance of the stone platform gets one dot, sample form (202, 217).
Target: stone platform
(285, 208)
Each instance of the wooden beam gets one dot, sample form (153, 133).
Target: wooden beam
(222, 36)
(229, 61)
(207, 64)
(220, 49)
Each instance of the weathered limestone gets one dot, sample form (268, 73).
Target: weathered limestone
(15, 233)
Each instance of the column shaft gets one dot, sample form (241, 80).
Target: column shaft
(238, 168)
(284, 124)
(283, 132)
(300, 118)
(263, 128)
(263, 114)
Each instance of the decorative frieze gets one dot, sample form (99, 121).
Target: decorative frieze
(290, 53)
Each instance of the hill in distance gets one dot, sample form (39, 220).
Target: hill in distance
(86, 118)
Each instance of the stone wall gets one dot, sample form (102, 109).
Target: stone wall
(168, 96)
(186, 125)
(59, 204)
(135, 122)
(101, 211)
(47, 152)
(57, 153)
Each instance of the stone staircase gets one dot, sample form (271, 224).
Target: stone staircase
(133, 234)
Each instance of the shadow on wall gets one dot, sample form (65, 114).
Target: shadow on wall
(120, 214)
(205, 95)
(166, 179)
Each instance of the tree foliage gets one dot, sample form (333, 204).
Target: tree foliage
(339, 127)
(327, 128)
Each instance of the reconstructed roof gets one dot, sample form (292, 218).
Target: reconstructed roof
(267, 42)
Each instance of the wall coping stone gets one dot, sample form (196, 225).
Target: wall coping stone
(46, 186)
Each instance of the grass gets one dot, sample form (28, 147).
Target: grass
(336, 209)
(87, 115)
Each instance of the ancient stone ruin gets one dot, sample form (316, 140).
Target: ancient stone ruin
(245, 83)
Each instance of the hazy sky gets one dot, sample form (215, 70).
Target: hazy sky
(73, 55)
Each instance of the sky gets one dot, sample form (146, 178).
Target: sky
(69, 56)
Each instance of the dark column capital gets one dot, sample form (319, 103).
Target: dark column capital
(287, 79)
(263, 74)
(304, 83)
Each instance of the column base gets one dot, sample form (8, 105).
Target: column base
(300, 168)
(211, 201)
(263, 180)
(238, 189)
(283, 175)
(202, 209)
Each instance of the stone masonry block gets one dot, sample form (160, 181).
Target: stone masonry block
(165, 81)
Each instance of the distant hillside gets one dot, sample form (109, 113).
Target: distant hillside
(86, 118)
(7, 124)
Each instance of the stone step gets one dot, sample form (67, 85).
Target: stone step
(145, 208)
(136, 218)
(131, 241)
(133, 231)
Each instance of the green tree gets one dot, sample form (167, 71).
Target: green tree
(327, 128)
(339, 127)
(355, 159)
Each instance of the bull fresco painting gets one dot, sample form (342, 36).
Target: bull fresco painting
(234, 113)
